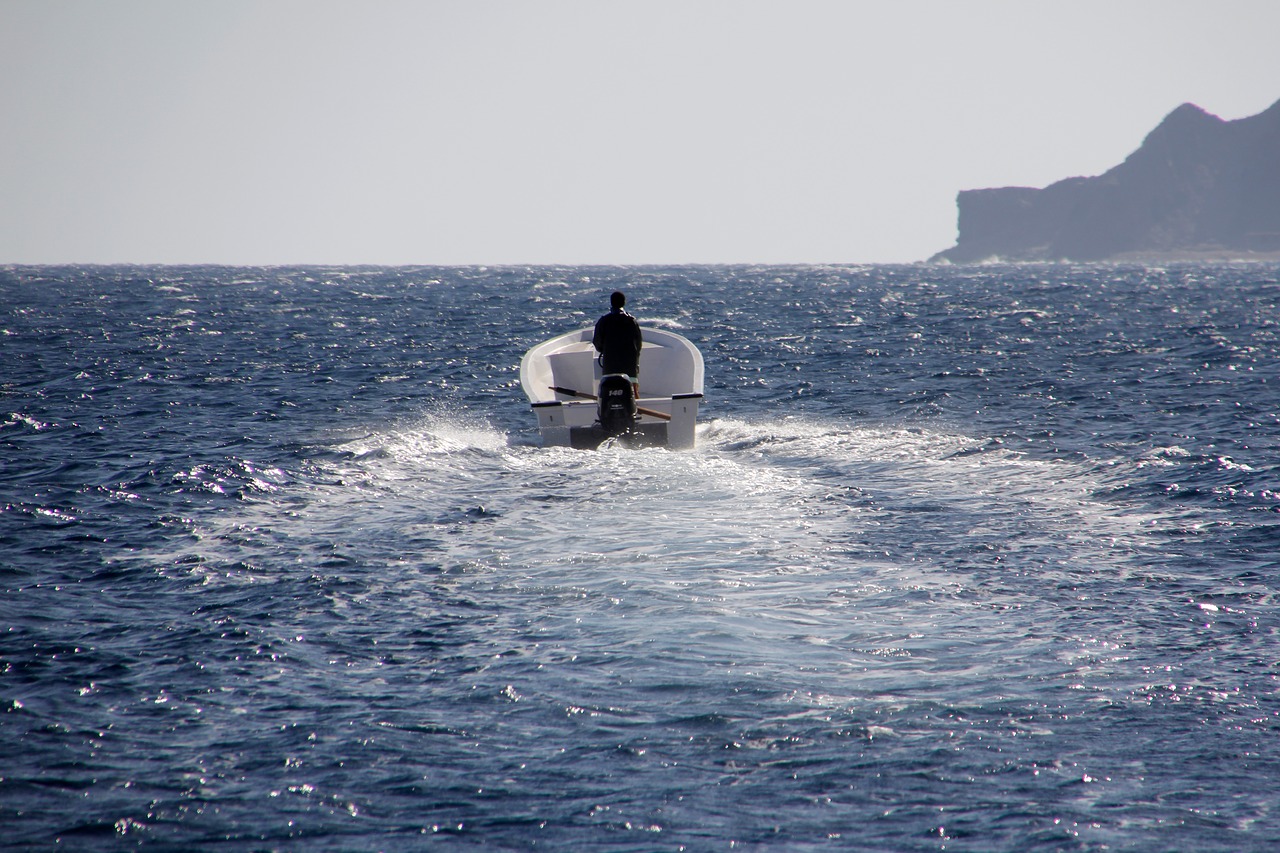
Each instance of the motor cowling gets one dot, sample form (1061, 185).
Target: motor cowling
(617, 408)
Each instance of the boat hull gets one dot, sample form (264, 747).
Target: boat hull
(671, 377)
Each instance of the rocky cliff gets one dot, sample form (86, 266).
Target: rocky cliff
(1197, 187)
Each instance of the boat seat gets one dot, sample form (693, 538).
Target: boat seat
(575, 369)
(661, 369)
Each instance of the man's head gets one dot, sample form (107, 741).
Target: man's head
(618, 299)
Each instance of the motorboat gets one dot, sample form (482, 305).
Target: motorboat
(578, 405)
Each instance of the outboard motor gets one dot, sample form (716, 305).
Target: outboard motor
(617, 404)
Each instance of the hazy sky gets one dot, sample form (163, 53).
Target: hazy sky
(578, 131)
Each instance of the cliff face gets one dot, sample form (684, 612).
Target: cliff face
(1197, 185)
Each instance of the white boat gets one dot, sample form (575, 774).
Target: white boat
(562, 379)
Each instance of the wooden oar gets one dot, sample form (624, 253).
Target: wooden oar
(663, 416)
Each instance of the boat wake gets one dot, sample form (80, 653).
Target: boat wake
(770, 532)
(772, 496)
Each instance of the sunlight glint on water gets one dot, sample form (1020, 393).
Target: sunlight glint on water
(965, 558)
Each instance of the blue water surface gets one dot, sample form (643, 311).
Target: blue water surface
(967, 558)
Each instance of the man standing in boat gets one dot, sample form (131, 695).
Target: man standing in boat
(617, 339)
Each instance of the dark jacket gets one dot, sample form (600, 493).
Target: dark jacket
(618, 339)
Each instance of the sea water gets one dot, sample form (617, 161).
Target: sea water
(966, 558)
